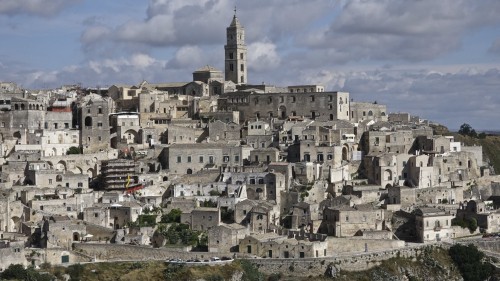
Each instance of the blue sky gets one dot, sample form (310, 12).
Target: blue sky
(436, 59)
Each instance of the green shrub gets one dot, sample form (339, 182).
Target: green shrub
(75, 272)
(470, 262)
(250, 272)
(173, 216)
(14, 272)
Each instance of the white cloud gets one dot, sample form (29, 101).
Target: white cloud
(187, 57)
(141, 60)
(94, 34)
(43, 8)
(155, 31)
(401, 29)
(262, 56)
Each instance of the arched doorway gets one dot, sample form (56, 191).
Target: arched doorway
(76, 236)
(189, 171)
(388, 175)
(345, 153)
(15, 224)
(88, 121)
(282, 112)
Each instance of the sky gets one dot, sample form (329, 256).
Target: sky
(439, 60)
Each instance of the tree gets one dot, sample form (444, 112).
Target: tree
(467, 130)
(75, 272)
(173, 216)
(73, 150)
(14, 272)
(470, 262)
(472, 224)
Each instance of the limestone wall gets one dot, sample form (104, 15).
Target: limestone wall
(317, 266)
(114, 252)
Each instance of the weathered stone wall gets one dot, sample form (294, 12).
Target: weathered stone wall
(114, 252)
(317, 266)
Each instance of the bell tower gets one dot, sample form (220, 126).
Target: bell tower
(235, 53)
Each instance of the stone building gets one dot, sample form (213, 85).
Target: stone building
(387, 169)
(265, 155)
(94, 123)
(11, 213)
(345, 221)
(306, 89)
(61, 231)
(317, 106)
(119, 173)
(212, 78)
(127, 129)
(12, 252)
(191, 158)
(397, 141)
(487, 218)
(259, 216)
(222, 131)
(225, 238)
(433, 224)
(202, 218)
(272, 245)
(361, 111)
(236, 53)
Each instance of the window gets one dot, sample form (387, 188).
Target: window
(80, 184)
(99, 110)
(242, 67)
(68, 209)
(236, 158)
(293, 98)
(201, 159)
(225, 159)
(231, 67)
(50, 181)
(230, 56)
(96, 215)
(99, 124)
(99, 138)
(189, 159)
(241, 55)
(312, 98)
